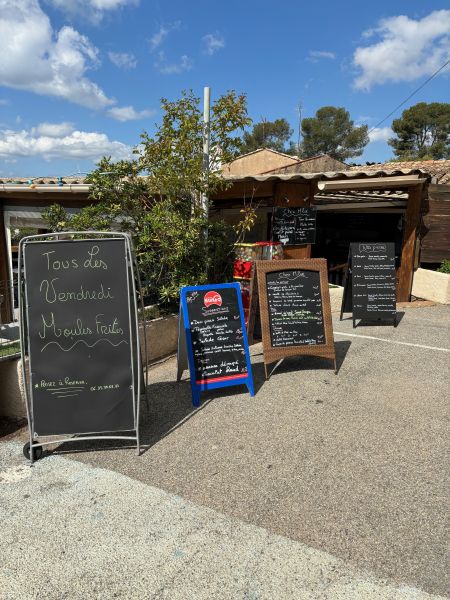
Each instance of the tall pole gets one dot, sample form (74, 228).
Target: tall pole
(299, 140)
(206, 139)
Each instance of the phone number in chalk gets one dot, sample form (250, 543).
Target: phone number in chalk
(101, 388)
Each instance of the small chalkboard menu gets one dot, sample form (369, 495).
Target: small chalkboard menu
(370, 286)
(213, 338)
(294, 226)
(80, 326)
(295, 309)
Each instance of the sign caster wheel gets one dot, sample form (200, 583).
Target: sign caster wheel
(37, 452)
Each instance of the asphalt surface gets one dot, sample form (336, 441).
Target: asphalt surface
(72, 531)
(350, 465)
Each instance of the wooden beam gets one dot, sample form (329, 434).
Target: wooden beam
(411, 226)
(371, 183)
(291, 194)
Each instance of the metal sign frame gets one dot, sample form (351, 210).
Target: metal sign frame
(33, 449)
(185, 354)
(274, 354)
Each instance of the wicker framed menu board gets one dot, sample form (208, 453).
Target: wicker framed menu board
(295, 309)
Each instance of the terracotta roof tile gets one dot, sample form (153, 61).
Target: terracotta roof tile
(440, 169)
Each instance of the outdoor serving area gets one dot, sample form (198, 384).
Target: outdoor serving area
(279, 411)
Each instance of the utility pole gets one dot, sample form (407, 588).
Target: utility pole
(206, 149)
(299, 139)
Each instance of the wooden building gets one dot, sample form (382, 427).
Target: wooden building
(435, 224)
(351, 206)
(408, 203)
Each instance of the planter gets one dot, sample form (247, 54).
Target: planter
(162, 337)
(12, 403)
(336, 294)
(431, 285)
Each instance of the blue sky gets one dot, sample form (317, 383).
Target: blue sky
(83, 78)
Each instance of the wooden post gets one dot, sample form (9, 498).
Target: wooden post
(5, 289)
(412, 221)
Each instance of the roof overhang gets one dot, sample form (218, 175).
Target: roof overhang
(384, 179)
(371, 183)
(76, 188)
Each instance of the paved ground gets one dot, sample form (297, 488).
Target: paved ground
(72, 531)
(352, 465)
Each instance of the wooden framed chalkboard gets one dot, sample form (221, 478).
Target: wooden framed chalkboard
(370, 283)
(294, 226)
(213, 339)
(79, 335)
(295, 309)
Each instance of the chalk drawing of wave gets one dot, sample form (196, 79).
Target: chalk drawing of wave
(83, 342)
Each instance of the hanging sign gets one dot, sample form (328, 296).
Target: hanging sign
(295, 309)
(79, 329)
(213, 338)
(370, 286)
(294, 226)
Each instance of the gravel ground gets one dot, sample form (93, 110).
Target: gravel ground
(350, 464)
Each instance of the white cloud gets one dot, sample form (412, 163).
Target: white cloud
(36, 58)
(4, 102)
(76, 144)
(316, 55)
(53, 129)
(123, 60)
(167, 68)
(380, 134)
(159, 37)
(406, 49)
(213, 43)
(92, 10)
(128, 113)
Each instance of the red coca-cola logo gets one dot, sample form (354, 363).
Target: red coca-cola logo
(212, 298)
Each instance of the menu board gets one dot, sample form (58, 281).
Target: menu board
(295, 308)
(216, 336)
(373, 281)
(294, 226)
(77, 305)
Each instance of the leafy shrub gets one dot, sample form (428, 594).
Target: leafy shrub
(445, 267)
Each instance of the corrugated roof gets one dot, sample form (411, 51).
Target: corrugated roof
(353, 173)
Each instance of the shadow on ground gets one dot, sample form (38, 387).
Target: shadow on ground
(170, 403)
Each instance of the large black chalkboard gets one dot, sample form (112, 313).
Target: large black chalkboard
(295, 308)
(294, 226)
(373, 281)
(78, 315)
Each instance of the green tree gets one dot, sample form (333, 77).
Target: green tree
(268, 134)
(332, 132)
(423, 131)
(155, 197)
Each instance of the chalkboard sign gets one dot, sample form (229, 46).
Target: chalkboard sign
(295, 309)
(294, 226)
(81, 323)
(212, 330)
(370, 286)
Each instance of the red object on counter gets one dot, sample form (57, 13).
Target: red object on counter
(242, 269)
